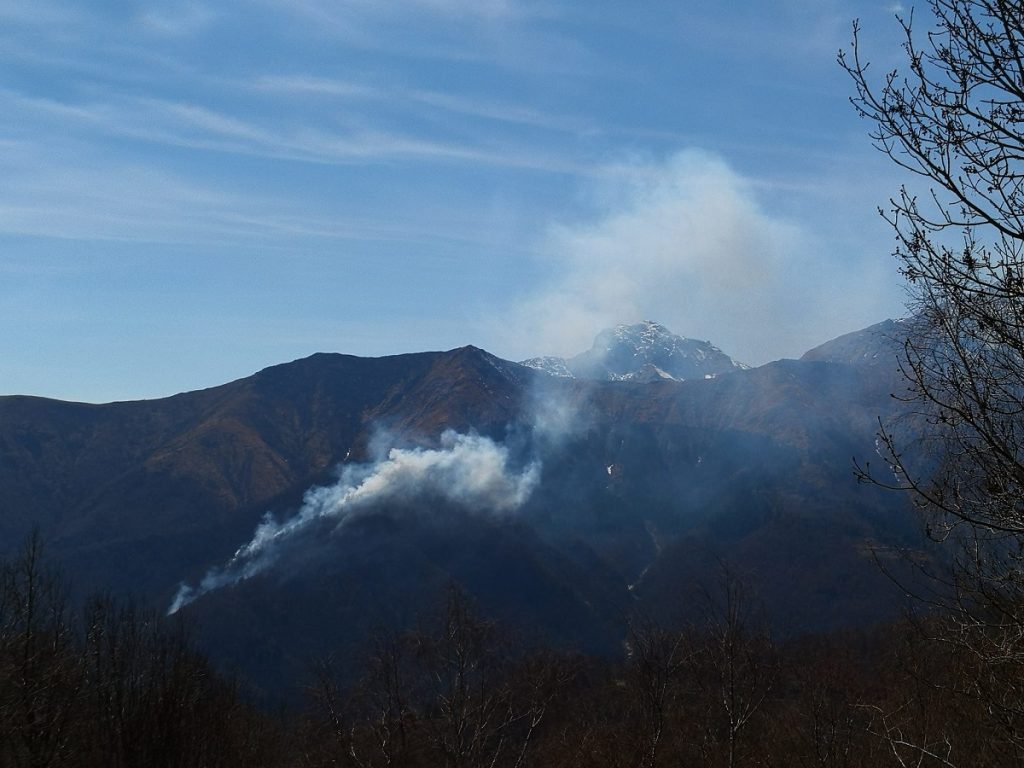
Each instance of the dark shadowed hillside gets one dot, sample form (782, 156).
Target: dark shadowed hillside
(135, 492)
(631, 492)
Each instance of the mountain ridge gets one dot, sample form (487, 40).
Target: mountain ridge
(636, 480)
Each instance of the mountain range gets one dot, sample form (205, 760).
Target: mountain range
(327, 498)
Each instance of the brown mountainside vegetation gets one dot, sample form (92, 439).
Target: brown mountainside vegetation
(641, 489)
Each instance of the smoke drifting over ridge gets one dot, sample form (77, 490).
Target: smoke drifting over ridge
(466, 469)
(695, 245)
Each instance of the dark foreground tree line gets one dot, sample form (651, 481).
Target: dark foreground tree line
(110, 685)
(115, 685)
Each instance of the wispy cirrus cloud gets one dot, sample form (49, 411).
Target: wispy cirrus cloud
(312, 85)
(499, 111)
(304, 86)
(511, 35)
(484, 9)
(198, 127)
(60, 191)
(41, 13)
(177, 19)
(466, 10)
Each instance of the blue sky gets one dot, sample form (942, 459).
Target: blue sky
(195, 190)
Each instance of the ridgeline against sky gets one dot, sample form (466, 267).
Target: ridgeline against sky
(195, 190)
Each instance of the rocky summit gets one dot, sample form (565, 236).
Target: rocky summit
(645, 351)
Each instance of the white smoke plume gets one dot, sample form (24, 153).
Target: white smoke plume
(469, 470)
(695, 245)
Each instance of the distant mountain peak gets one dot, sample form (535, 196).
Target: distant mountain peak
(647, 331)
(553, 366)
(645, 351)
(878, 344)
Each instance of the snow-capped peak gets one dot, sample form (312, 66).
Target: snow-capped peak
(554, 366)
(645, 351)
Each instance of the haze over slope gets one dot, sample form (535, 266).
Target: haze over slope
(559, 503)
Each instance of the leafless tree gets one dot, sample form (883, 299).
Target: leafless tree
(956, 118)
(736, 667)
(702, 692)
(374, 724)
(658, 662)
(40, 677)
(456, 693)
(486, 707)
(953, 116)
(819, 724)
(149, 698)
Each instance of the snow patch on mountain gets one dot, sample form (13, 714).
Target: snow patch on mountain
(553, 366)
(643, 352)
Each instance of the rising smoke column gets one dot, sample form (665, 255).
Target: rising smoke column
(470, 470)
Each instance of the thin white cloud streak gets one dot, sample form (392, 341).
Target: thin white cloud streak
(305, 85)
(196, 127)
(788, 29)
(62, 191)
(688, 243)
(507, 113)
(515, 114)
(346, 13)
(111, 61)
(59, 191)
(169, 19)
(512, 36)
(177, 19)
(38, 13)
(457, 9)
